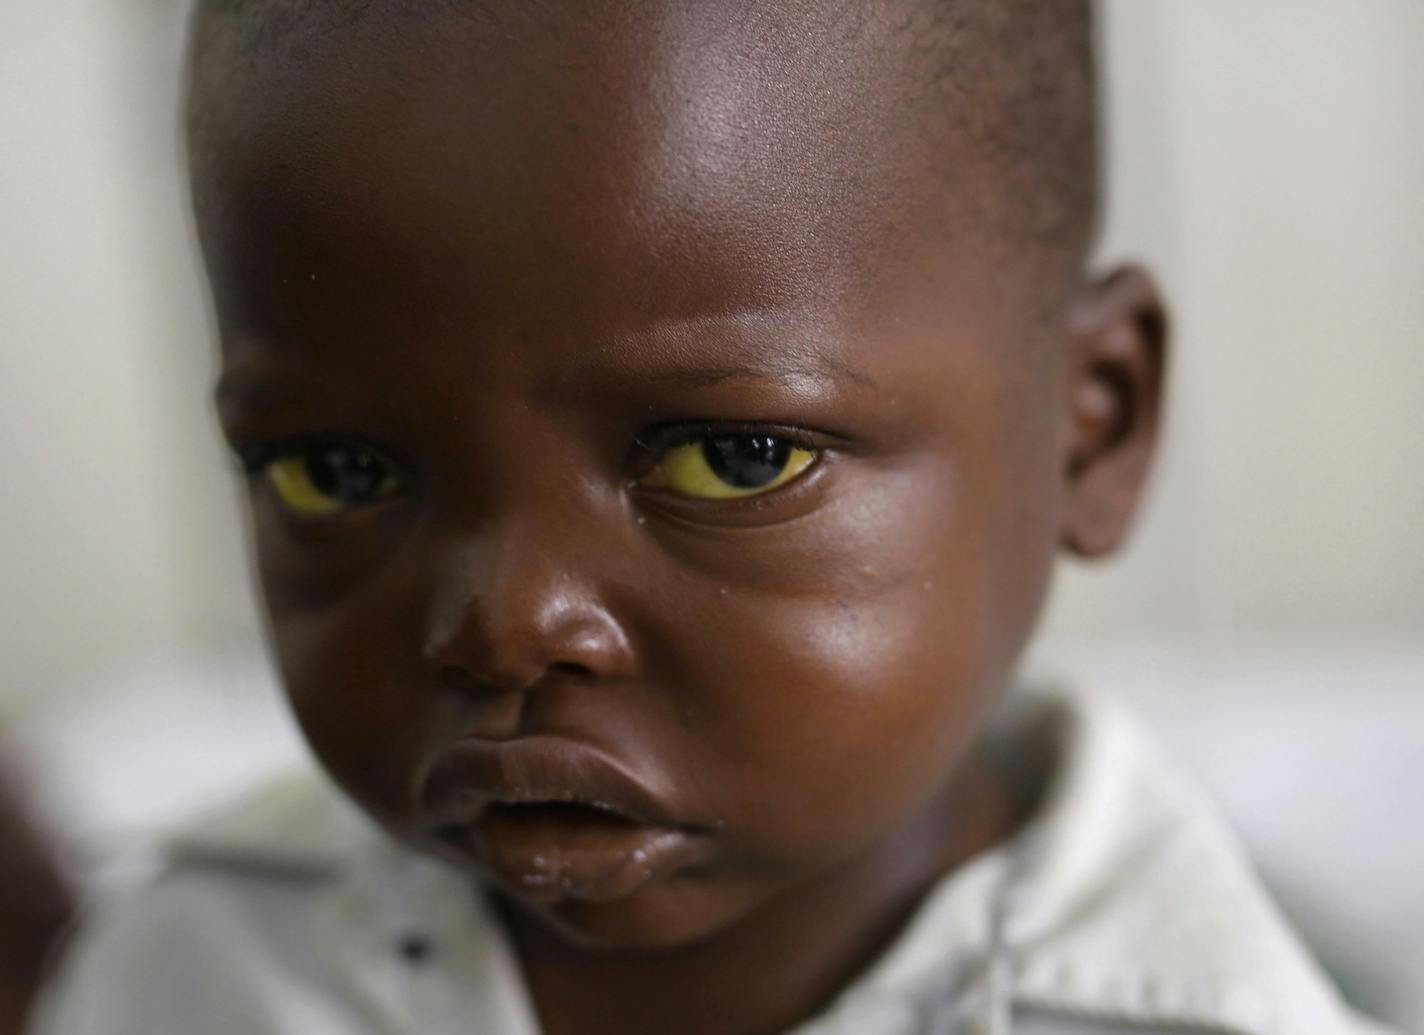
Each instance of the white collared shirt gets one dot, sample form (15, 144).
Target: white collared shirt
(1124, 906)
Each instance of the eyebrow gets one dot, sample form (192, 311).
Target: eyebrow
(242, 387)
(254, 385)
(707, 376)
(662, 353)
(245, 388)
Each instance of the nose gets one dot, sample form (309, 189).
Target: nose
(516, 606)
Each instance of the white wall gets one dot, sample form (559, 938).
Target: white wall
(1266, 157)
(117, 540)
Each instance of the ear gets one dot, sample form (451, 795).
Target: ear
(1116, 366)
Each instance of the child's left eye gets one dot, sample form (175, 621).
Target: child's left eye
(324, 478)
(732, 465)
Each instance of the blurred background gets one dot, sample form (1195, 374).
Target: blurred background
(1265, 158)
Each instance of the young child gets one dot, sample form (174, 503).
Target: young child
(661, 418)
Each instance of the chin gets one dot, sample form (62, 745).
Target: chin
(679, 913)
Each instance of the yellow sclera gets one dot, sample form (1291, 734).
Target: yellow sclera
(684, 469)
(291, 480)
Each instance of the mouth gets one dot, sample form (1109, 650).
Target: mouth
(552, 820)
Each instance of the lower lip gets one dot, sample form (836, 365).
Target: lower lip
(550, 853)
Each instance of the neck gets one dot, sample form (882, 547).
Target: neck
(784, 963)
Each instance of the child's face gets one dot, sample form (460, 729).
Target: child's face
(621, 443)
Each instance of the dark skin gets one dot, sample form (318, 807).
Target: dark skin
(513, 269)
(37, 903)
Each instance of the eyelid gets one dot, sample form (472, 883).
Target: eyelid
(651, 443)
(253, 458)
(780, 507)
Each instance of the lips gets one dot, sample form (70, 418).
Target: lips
(552, 819)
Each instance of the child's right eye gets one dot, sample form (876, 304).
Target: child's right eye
(318, 479)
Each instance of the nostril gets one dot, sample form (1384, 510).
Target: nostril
(457, 678)
(571, 668)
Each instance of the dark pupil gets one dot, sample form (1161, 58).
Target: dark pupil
(345, 474)
(746, 461)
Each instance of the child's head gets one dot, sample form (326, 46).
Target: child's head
(669, 409)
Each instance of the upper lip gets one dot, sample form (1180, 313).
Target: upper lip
(475, 774)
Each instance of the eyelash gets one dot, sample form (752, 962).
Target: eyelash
(251, 459)
(652, 442)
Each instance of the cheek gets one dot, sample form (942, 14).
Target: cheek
(848, 665)
(308, 565)
(869, 710)
(363, 708)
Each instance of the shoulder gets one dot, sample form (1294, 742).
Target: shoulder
(230, 926)
(1129, 900)
(1123, 907)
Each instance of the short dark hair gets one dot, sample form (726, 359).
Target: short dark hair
(1031, 64)
(1016, 78)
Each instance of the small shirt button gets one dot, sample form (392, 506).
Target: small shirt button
(415, 949)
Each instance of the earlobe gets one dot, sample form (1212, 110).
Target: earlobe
(1116, 367)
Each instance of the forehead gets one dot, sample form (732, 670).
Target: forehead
(674, 159)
